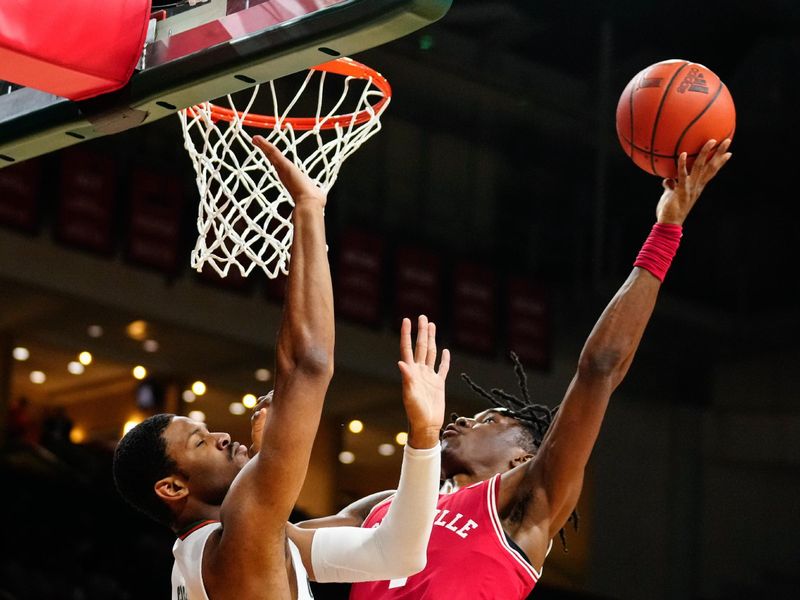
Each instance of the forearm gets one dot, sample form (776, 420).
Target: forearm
(307, 331)
(610, 348)
(398, 546)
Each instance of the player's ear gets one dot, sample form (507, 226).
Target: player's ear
(520, 459)
(171, 488)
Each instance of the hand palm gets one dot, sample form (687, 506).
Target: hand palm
(423, 395)
(423, 386)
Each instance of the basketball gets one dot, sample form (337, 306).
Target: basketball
(671, 107)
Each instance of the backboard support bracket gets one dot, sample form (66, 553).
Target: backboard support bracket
(203, 54)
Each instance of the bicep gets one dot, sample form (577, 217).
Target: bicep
(287, 439)
(267, 488)
(552, 481)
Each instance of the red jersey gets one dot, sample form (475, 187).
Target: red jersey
(469, 554)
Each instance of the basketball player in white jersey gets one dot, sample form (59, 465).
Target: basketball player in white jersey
(230, 511)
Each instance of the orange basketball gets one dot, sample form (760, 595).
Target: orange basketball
(671, 107)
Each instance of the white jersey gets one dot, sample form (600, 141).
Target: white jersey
(187, 573)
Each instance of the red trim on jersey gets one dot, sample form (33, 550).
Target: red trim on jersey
(182, 535)
(377, 506)
(492, 492)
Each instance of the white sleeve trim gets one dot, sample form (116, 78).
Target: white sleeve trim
(398, 546)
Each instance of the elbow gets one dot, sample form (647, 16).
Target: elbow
(603, 364)
(307, 357)
(410, 564)
(315, 360)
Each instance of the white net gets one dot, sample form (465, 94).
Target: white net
(244, 219)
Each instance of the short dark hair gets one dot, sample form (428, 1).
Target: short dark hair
(535, 419)
(140, 460)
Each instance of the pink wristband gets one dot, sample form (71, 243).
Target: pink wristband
(659, 249)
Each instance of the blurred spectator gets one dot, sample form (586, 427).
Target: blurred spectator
(21, 425)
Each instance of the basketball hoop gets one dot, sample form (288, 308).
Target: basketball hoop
(245, 212)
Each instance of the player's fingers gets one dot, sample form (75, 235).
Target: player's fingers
(263, 401)
(422, 339)
(258, 415)
(270, 151)
(682, 171)
(705, 153)
(444, 366)
(405, 371)
(722, 150)
(291, 176)
(431, 358)
(668, 184)
(406, 354)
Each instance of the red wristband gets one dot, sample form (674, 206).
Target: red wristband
(659, 249)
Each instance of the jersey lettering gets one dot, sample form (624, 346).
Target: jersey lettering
(181, 593)
(484, 565)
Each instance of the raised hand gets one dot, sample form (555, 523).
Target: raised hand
(257, 420)
(298, 184)
(680, 195)
(423, 386)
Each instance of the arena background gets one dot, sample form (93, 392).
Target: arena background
(497, 201)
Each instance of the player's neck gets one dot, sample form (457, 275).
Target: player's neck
(462, 480)
(196, 513)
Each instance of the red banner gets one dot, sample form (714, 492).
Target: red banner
(418, 276)
(358, 277)
(155, 221)
(19, 195)
(474, 308)
(86, 210)
(529, 322)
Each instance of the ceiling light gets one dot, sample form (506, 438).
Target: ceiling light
(263, 375)
(386, 449)
(130, 424)
(237, 408)
(355, 426)
(198, 415)
(77, 435)
(346, 457)
(139, 372)
(137, 330)
(249, 400)
(150, 346)
(94, 331)
(38, 377)
(199, 388)
(75, 367)
(20, 353)
(401, 438)
(85, 358)
(188, 396)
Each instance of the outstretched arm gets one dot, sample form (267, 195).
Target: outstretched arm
(259, 501)
(398, 546)
(548, 486)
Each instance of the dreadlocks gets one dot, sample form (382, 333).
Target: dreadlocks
(535, 418)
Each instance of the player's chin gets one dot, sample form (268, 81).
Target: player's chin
(449, 442)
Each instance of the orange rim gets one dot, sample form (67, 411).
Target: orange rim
(347, 67)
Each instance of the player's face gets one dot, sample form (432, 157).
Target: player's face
(209, 459)
(487, 439)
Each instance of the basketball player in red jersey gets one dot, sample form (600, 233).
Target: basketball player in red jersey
(511, 486)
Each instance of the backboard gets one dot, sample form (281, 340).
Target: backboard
(202, 52)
